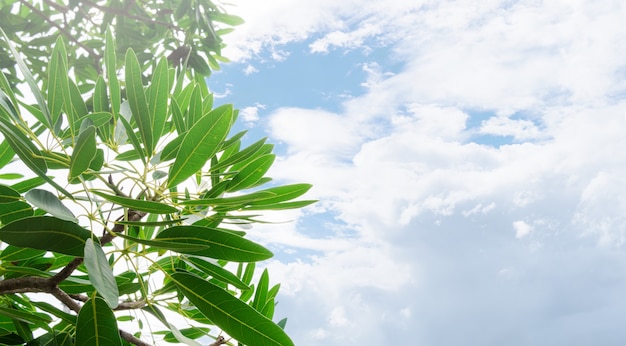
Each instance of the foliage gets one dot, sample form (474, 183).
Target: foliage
(127, 192)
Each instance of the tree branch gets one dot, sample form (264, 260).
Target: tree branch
(95, 56)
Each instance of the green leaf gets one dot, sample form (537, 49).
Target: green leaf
(111, 71)
(221, 244)
(137, 100)
(157, 99)
(28, 153)
(280, 206)
(181, 247)
(46, 233)
(11, 176)
(201, 143)
(84, 152)
(235, 202)
(96, 325)
(137, 204)
(47, 201)
(133, 138)
(101, 273)
(26, 185)
(57, 79)
(260, 295)
(282, 193)
(195, 108)
(251, 173)
(10, 212)
(47, 120)
(6, 153)
(235, 317)
(217, 272)
(15, 253)
(8, 195)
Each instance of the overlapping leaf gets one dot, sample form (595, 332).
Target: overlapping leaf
(235, 317)
(96, 325)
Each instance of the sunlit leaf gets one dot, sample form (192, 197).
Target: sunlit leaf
(157, 99)
(137, 100)
(201, 142)
(251, 173)
(235, 317)
(96, 325)
(101, 273)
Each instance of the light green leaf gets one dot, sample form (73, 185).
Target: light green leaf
(157, 99)
(57, 79)
(47, 201)
(217, 272)
(235, 317)
(137, 100)
(11, 176)
(6, 153)
(133, 138)
(101, 273)
(84, 152)
(221, 244)
(251, 173)
(137, 204)
(46, 233)
(96, 325)
(111, 71)
(201, 142)
(195, 108)
(281, 206)
(282, 193)
(34, 88)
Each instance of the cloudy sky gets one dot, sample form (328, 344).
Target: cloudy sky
(469, 161)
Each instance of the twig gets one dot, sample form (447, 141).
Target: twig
(62, 30)
(219, 341)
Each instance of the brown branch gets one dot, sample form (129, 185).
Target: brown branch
(219, 341)
(132, 339)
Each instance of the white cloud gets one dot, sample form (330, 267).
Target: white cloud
(431, 210)
(250, 114)
(250, 70)
(522, 229)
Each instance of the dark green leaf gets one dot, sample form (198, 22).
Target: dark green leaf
(46, 233)
(8, 195)
(137, 204)
(217, 272)
(96, 325)
(10, 212)
(6, 153)
(101, 273)
(221, 244)
(235, 317)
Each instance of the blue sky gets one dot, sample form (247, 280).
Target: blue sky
(468, 158)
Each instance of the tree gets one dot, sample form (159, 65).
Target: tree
(129, 192)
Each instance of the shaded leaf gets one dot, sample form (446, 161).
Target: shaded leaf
(46, 233)
(217, 272)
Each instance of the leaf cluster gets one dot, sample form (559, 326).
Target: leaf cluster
(129, 200)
